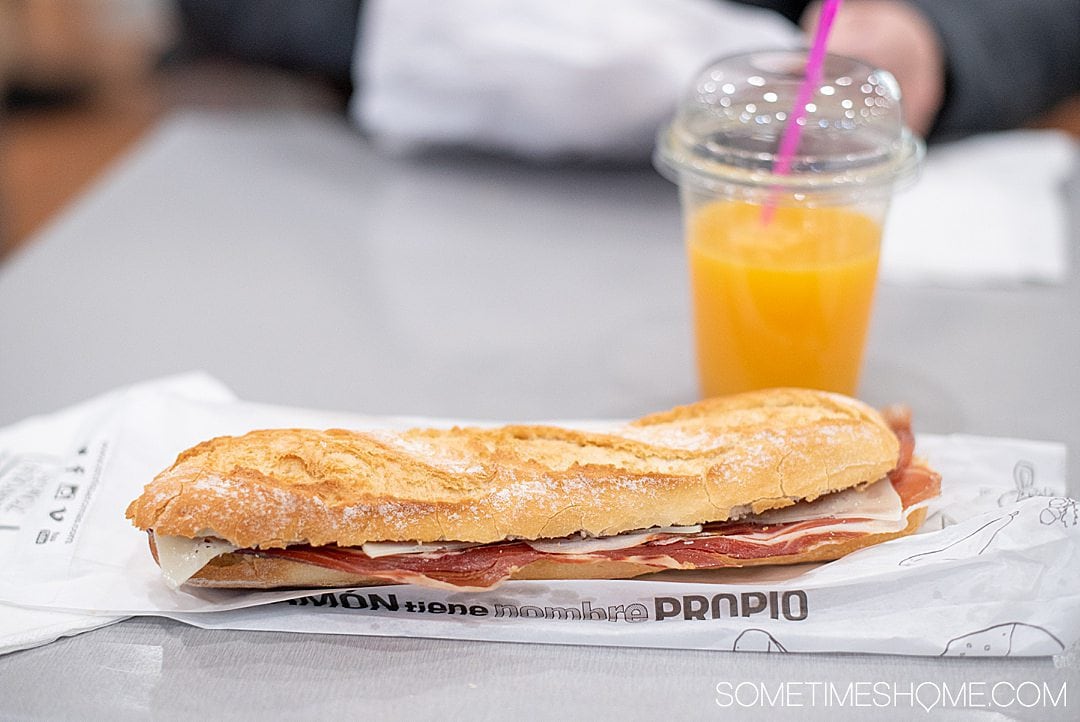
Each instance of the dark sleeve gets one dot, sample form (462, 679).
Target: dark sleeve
(311, 36)
(790, 9)
(1006, 60)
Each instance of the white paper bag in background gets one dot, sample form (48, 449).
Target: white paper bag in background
(539, 78)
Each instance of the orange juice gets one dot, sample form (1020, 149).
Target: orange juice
(782, 304)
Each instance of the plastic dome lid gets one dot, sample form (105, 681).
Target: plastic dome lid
(728, 127)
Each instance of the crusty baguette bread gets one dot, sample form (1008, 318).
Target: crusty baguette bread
(254, 572)
(708, 461)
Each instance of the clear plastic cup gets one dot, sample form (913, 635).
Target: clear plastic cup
(784, 297)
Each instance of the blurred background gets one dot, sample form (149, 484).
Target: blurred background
(83, 80)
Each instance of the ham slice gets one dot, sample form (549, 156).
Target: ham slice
(718, 544)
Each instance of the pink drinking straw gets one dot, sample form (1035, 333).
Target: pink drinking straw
(815, 64)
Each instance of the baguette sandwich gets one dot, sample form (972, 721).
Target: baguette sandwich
(779, 476)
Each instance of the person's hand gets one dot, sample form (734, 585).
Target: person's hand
(893, 35)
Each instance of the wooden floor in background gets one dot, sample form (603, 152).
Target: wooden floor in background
(48, 156)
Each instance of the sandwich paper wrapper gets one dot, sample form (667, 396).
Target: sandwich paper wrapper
(993, 572)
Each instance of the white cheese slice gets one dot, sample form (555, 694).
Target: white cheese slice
(877, 501)
(872, 526)
(587, 546)
(385, 549)
(181, 558)
(573, 545)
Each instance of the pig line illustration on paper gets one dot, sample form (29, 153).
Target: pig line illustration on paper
(1024, 478)
(971, 545)
(1061, 510)
(1000, 640)
(757, 640)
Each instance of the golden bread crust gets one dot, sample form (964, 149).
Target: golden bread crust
(251, 572)
(707, 461)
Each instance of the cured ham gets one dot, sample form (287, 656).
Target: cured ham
(717, 545)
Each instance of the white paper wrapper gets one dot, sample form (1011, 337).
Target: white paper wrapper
(992, 573)
(34, 471)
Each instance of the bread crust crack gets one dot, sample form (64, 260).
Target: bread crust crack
(691, 464)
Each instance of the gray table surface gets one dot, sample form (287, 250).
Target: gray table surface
(283, 256)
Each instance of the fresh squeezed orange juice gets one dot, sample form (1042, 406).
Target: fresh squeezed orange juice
(785, 303)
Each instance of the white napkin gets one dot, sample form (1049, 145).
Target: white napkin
(33, 461)
(29, 628)
(988, 210)
(542, 79)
